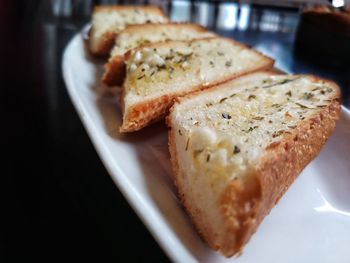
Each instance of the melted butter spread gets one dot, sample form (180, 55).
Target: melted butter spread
(187, 64)
(227, 133)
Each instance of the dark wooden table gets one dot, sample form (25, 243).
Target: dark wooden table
(58, 202)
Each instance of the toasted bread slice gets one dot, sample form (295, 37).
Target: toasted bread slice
(109, 21)
(137, 35)
(236, 148)
(158, 73)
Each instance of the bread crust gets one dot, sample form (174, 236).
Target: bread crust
(277, 169)
(111, 76)
(143, 114)
(108, 38)
(137, 27)
(104, 45)
(136, 121)
(115, 71)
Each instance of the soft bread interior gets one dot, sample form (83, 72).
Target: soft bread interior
(219, 136)
(180, 67)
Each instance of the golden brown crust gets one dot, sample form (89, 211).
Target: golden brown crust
(105, 44)
(142, 114)
(147, 26)
(275, 172)
(115, 71)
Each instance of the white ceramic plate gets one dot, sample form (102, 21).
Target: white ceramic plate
(311, 223)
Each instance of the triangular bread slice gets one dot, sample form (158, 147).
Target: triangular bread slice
(158, 73)
(236, 148)
(109, 21)
(136, 35)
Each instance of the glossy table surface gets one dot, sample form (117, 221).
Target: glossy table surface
(58, 202)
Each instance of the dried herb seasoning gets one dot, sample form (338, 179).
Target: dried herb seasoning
(236, 150)
(277, 133)
(308, 96)
(226, 116)
(284, 81)
(251, 96)
(208, 158)
(222, 100)
(187, 143)
(228, 63)
(251, 129)
(302, 106)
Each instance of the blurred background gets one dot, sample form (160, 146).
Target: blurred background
(58, 202)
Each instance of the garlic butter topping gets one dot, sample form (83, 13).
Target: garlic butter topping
(214, 149)
(231, 130)
(145, 59)
(117, 20)
(184, 64)
(153, 33)
(149, 65)
(203, 137)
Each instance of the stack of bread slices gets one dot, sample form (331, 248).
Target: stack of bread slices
(239, 132)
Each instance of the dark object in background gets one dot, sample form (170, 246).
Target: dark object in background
(324, 35)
